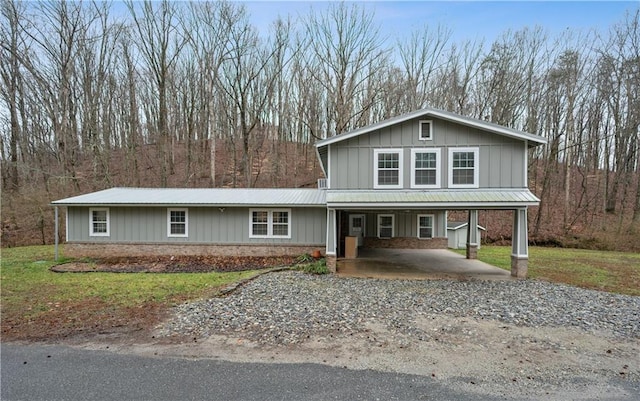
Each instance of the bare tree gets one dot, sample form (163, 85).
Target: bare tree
(160, 42)
(347, 55)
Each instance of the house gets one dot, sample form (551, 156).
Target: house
(457, 234)
(389, 184)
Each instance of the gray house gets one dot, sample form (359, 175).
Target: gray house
(389, 185)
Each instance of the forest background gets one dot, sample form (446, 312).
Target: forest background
(192, 94)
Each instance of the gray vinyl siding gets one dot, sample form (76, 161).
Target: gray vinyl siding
(502, 159)
(406, 224)
(205, 225)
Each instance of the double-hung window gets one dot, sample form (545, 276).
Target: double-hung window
(463, 168)
(99, 222)
(270, 223)
(387, 172)
(385, 225)
(425, 168)
(177, 223)
(425, 226)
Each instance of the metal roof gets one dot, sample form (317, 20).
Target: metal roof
(445, 115)
(456, 225)
(199, 197)
(446, 199)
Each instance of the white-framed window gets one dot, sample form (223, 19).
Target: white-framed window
(177, 222)
(425, 130)
(385, 225)
(463, 167)
(425, 168)
(270, 223)
(387, 170)
(425, 226)
(99, 222)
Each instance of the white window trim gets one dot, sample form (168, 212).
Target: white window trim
(94, 234)
(186, 223)
(376, 152)
(433, 221)
(269, 223)
(413, 167)
(420, 135)
(393, 225)
(476, 167)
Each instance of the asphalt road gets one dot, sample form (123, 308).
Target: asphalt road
(37, 372)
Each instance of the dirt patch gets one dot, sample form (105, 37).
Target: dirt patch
(174, 264)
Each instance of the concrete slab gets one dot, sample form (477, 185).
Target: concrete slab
(418, 264)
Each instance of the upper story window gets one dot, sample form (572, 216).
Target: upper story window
(387, 171)
(426, 133)
(385, 225)
(270, 223)
(463, 167)
(177, 222)
(99, 222)
(425, 226)
(425, 168)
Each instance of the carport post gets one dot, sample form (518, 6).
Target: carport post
(56, 234)
(472, 235)
(519, 244)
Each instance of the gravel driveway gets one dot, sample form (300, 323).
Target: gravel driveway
(524, 338)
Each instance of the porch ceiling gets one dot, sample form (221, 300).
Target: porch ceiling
(432, 199)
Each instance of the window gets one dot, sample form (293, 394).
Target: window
(385, 226)
(177, 222)
(270, 223)
(425, 168)
(99, 222)
(463, 168)
(425, 130)
(387, 171)
(425, 226)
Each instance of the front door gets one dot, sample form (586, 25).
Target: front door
(356, 227)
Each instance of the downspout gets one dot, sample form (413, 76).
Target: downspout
(56, 234)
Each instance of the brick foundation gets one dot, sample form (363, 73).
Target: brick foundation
(135, 250)
(405, 243)
(519, 266)
(331, 263)
(472, 251)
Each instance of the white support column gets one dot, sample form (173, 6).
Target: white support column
(519, 244)
(56, 234)
(472, 235)
(332, 241)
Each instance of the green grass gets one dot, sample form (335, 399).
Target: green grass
(31, 292)
(617, 272)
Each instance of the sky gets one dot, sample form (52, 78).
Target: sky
(468, 20)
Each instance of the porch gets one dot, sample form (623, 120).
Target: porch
(417, 264)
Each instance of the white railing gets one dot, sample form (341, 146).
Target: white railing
(322, 183)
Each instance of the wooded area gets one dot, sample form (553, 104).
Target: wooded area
(192, 94)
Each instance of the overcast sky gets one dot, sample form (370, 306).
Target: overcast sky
(467, 19)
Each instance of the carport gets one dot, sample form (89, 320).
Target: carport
(418, 264)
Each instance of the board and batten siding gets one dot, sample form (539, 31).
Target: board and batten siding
(206, 225)
(502, 159)
(406, 224)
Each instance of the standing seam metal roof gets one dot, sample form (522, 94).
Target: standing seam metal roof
(200, 197)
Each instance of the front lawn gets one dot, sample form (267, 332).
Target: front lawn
(617, 272)
(38, 304)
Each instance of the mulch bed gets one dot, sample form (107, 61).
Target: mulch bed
(174, 264)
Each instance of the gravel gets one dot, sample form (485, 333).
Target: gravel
(289, 307)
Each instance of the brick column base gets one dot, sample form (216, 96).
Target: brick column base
(519, 266)
(472, 251)
(331, 263)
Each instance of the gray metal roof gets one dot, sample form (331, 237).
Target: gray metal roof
(456, 225)
(445, 115)
(446, 199)
(199, 197)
